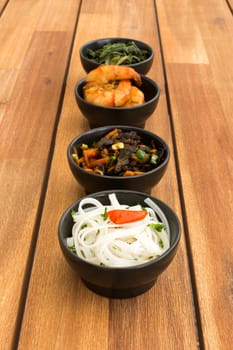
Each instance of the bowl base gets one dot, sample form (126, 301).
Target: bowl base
(93, 125)
(121, 292)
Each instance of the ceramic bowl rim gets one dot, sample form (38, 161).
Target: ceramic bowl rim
(73, 256)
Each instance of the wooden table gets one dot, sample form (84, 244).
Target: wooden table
(42, 304)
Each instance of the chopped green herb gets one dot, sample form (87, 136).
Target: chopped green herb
(83, 254)
(154, 158)
(73, 212)
(161, 243)
(140, 154)
(83, 226)
(112, 160)
(104, 215)
(156, 227)
(72, 248)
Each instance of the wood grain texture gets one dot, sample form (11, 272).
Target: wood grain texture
(3, 3)
(230, 4)
(32, 69)
(201, 95)
(61, 313)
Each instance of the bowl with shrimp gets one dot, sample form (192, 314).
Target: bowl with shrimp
(119, 242)
(119, 51)
(113, 94)
(118, 156)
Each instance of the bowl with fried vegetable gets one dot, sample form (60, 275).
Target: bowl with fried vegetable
(111, 94)
(119, 242)
(118, 156)
(119, 51)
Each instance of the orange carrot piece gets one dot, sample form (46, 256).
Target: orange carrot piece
(111, 133)
(90, 153)
(88, 169)
(132, 173)
(80, 160)
(105, 151)
(95, 162)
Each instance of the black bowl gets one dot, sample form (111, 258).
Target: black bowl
(93, 182)
(135, 116)
(120, 282)
(141, 67)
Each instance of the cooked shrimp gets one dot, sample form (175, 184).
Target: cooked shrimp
(109, 95)
(110, 86)
(136, 97)
(99, 95)
(106, 73)
(122, 93)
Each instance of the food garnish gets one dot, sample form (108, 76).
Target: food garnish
(119, 216)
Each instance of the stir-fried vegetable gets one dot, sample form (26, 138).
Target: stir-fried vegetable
(118, 153)
(118, 54)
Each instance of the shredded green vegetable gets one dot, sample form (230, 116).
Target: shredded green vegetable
(156, 227)
(118, 54)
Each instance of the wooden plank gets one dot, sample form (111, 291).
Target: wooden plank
(18, 21)
(3, 4)
(60, 312)
(201, 95)
(32, 70)
(230, 4)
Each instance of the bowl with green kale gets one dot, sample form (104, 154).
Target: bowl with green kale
(119, 51)
(118, 156)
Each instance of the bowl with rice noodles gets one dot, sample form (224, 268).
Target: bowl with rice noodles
(119, 241)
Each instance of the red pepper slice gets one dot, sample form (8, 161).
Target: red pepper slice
(121, 216)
